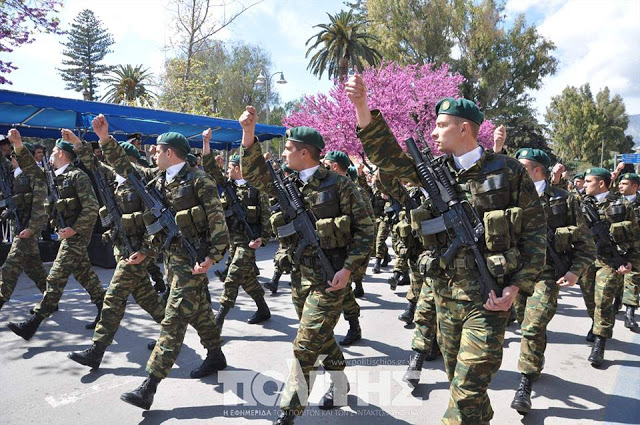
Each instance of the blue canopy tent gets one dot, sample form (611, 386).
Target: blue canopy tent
(43, 116)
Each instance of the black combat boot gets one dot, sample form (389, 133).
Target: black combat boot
(358, 291)
(597, 352)
(434, 350)
(27, 329)
(404, 280)
(336, 394)
(394, 280)
(407, 315)
(222, 274)
(272, 285)
(629, 317)
(286, 418)
(522, 401)
(376, 266)
(142, 396)
(617, 303)
(222, 313)
(214, 362)
(590, 336)
(385, 261)
(262, 314)
(91, 357)
(151, 345)
(159, 284)
(32, 310)
(1, 304)
(353, 334)
(412, 376)
(93, 324)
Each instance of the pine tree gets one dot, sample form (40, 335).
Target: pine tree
(87, 45)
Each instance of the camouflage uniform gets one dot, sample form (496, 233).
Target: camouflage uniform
(470, 337)
(187, 304)
(319, 310)
(632, 279)
(29, 195)
(382, 226)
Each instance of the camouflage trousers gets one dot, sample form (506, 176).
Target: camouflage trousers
(425, 320)
(382, 233)
(154, 271)
(471, 340)
(319, 312)
(539, 309)
(128, 279)
(23, 256)
(72, 258)
(588, 287)
(401, 263)
(608, 285)
(631, 289)
(351, 308)
(187, 305)
(241, 273)
(417, 282)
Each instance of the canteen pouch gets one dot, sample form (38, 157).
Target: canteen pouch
(563, 238)
(621, 232)
(199, 218)
(501, 265)
(419, 215)
(326, 233)
(186, 225)
(342, 230)
(496, 231)
(427, 263)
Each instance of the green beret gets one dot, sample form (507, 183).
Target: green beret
(192, 160)
(30, 147)
(130, 150)
(537, 155)
(174, 140)
(631, 176)
(352, 172)
(235, 159)
(142, 160)
(65, 146)
(603, 173)
(462, 107)
(306, 135)
(339, 157)
(579, 176)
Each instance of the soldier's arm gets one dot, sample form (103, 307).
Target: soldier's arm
(211, 167)
(362, 230)
(88, 202)
(207, 193)
(38, 216)
(633, 255)
(255, 170)
(584, 248)
(84, 152)
(28, 164)
(117, 158)
(265, 214)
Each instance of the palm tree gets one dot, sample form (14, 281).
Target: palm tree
(127, 84)
(341, 43)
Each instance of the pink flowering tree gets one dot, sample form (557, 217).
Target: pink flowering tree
(19, 20)
(400, 92)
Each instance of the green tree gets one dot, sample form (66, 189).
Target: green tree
(87, 45)
(128, 85)
(342, 43)
(192, 96)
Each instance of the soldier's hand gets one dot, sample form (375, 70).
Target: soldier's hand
(70, 136)
(66, 233)
(624, 269)
(556, 173)
(255, 244)
(248, 121)
(356, 90)
(14, 137)
(360, 168)
(499, 138)
(569, 279)
(340, 280)
(206, 139)
(136, 258)
(203, 267)
(220, 160)
(101, 127)
(503, 303)
(25, 234)
(267, 156)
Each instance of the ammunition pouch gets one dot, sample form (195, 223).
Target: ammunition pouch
(68, 207)
(502, 264)
(418, 215)
(334, 232)
(133, 224)
(502, 228)
(492, 193)
(563, 239)
(428, 263)
(621, 232)
(192, 223)
(616, 212)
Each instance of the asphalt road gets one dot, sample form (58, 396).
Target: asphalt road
(40, 385)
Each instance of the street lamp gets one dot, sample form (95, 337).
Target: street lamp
(262, 80)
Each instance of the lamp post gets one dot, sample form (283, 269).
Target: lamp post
(267, 82)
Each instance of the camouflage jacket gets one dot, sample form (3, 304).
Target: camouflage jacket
(204, 189)
(460, 283)
(254, 169)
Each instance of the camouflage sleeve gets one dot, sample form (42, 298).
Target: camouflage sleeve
(383, 150)
(584, 249)
(211, 167)
(265, 215)
(255, 171)
(118, 159)
(532, 241)
(207, 192)
(38, 217)
(28, 164)
(633, 256)
(88, 203)
(85, 154)
(362, 230)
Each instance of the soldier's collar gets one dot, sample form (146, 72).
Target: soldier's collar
(62, 169)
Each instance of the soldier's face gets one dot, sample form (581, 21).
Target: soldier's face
(292, 156)
(594, 186)
(447, 133)
(162, 157)
(38, 155)
(6, 149)
(578, 184)
(627, 187)
(234, 171)
(56, 157)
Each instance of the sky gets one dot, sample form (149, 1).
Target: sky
(595, 39)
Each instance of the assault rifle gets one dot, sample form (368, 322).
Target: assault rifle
(165, 218)
(456, 216)
(299, 219)
(235, 208)
(560, 266)
(10, 209)
(54, 193)
(600, 231)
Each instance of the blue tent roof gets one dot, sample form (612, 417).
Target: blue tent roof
(43, 116)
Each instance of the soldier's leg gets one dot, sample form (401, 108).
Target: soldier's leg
(631, 289)
(382, 233)
(424, 334)
(520, 305)
(235, 275)
(413, 294)
(32, 263)
(449, 324)
(608, 284)
(11, 269)
(351, 311)
(87, 277)
(250, 283)
(479, 358)
(358, 276)
(587, 285)
(203, 320)
(299, 292)
(156, 275)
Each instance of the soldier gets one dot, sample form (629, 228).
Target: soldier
(470, 329)
(570, 240)
(340, 211)
(28, 194)
(612, 260)
(78, 207)
(243, 262)
(400, 273)
(382, 228)
(132, 251)
(193, 196)
(628, 187)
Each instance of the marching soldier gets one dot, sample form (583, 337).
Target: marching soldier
(382, 228)
(628, 187)
(77, 210)
(470, 329)
(192, 194)
(346, 234)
